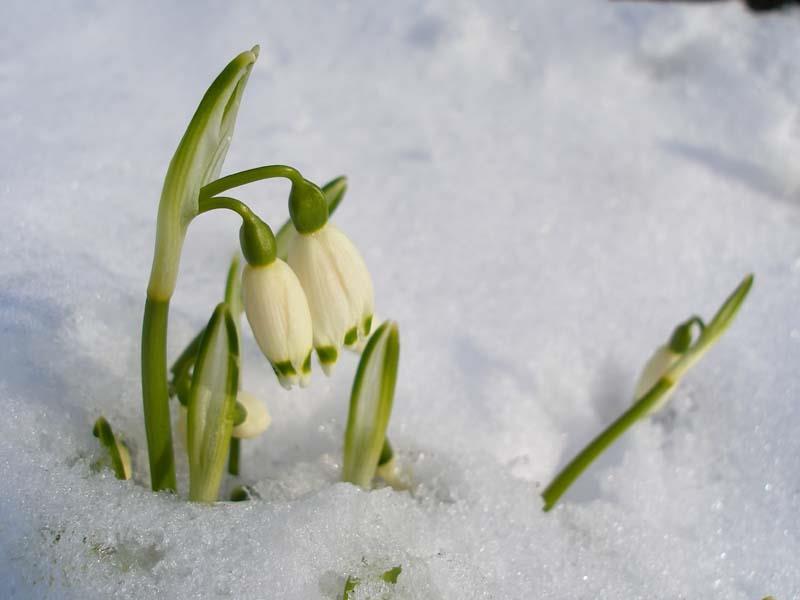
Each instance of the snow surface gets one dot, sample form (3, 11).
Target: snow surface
(541, 190)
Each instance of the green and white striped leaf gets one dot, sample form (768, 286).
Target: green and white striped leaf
(197, 161)
(212, 405)
(371, 405)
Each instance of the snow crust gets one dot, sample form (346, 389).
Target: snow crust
(541, 190)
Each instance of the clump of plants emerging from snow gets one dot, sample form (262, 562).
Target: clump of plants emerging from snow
(305, 289)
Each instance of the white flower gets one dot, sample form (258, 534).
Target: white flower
(338, 287)
(279, 316)
(656, 367)
(257, 419)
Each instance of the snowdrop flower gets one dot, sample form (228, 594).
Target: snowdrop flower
(663, 359)
(257, 420)
(279, 316)
(338, 287)
(332, 273)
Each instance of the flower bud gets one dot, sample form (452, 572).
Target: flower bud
(257, 419)
(338, 287)
(279, 316)
(656, 367)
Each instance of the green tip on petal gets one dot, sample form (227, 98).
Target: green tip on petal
(327, 355)
(285, 369)
(367, 325)
(351, 337)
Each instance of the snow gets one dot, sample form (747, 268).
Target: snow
(542, 190)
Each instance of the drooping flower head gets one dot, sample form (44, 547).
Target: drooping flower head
(334, 277)
(276, 308)
(662, 360)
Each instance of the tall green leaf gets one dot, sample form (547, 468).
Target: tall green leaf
(197, 161)
(212, 402)
(371, 405)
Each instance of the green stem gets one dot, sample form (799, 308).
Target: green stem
(155, 395)
(233, 456)
(578, 465)
(244, 177)
(187, 357)
(237, 206)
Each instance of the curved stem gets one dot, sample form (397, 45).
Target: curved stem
(578, 465)
(694, 319)
(237, 206)
(155, 395)
(244, 177)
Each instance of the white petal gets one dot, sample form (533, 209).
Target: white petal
(257, 419)
(659, 363)
(354, 272)
(278, 313)
(337, 284)
(327, 299)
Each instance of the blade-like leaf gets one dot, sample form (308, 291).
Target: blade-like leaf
(118, 452)
(197, 161)
(212, 403)
(371, 405)
(712, 332)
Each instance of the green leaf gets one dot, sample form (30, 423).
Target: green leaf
(349, 587)
(389, 576)
(233, 288)
(371, 405)
(387, 453)
(117, 450)
(334, 191)
(712, 332)
(212, 402)
(197, 161)
(392, 574)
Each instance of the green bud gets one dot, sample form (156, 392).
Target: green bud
(257, 241)
(240, 494)
(681, 338)
(239, 414)
(307, 207)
